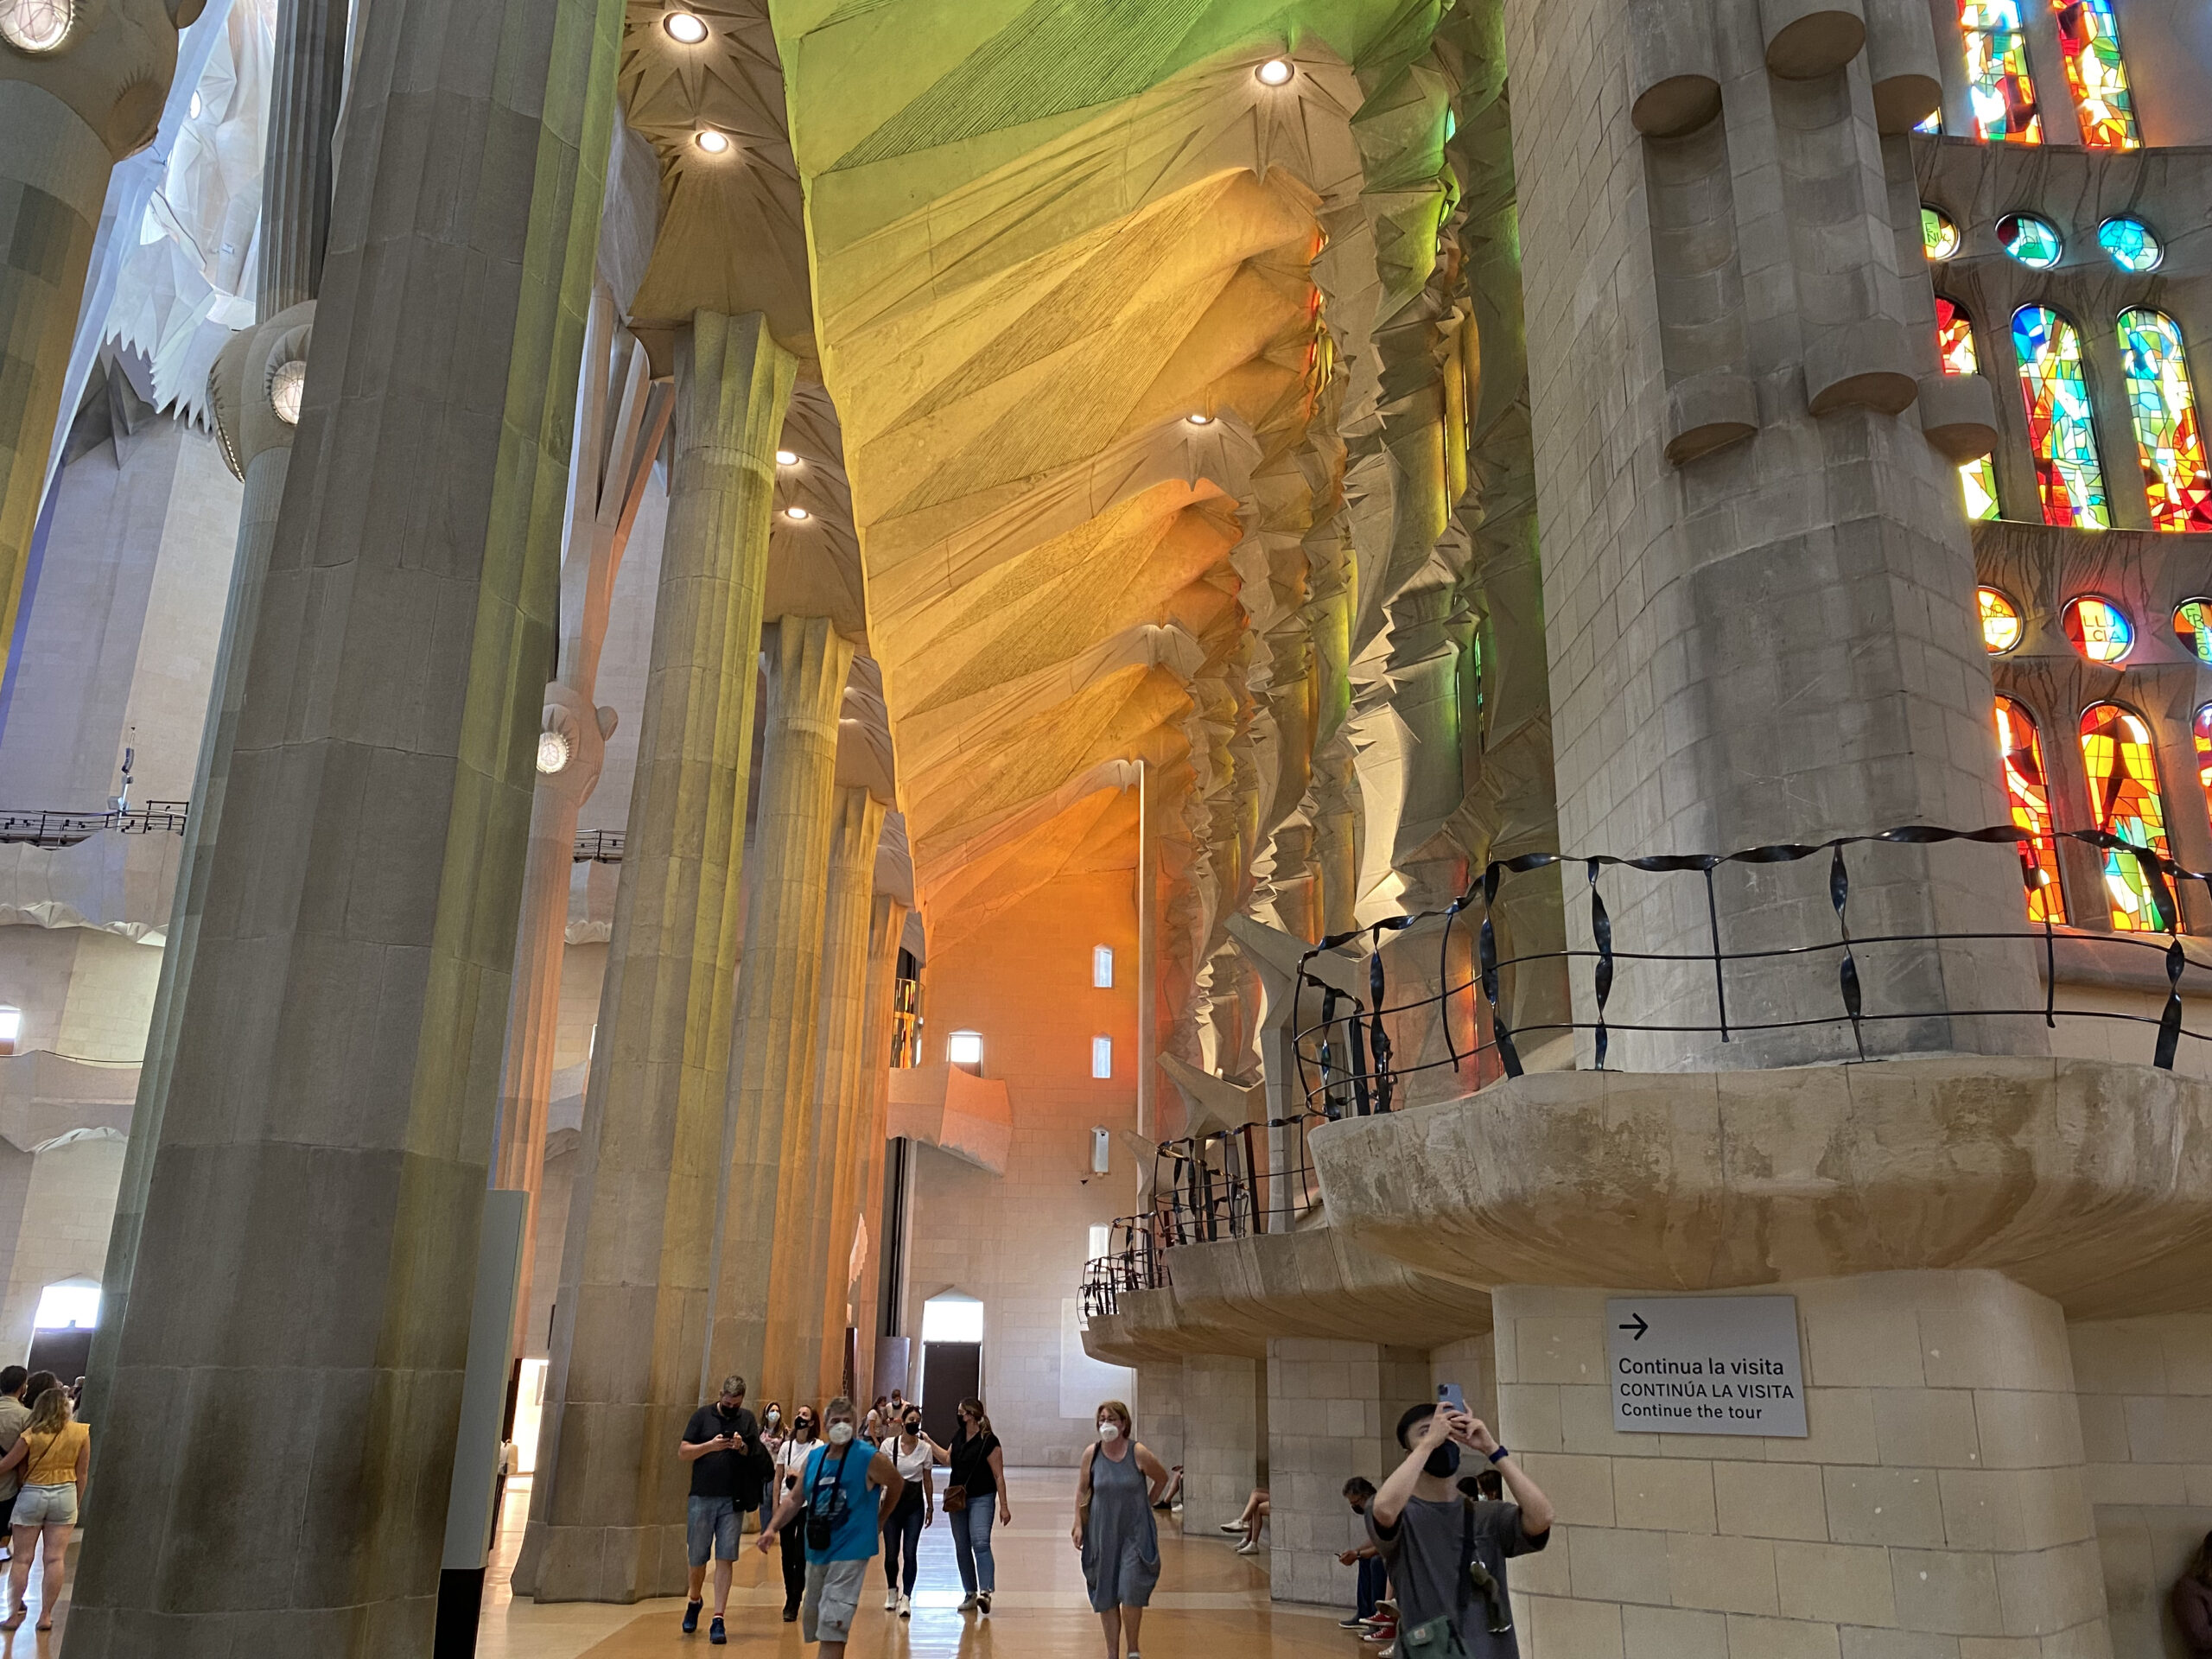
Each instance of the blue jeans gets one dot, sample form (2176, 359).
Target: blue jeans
(902, 1535)
(971, 1542)
(1374, 1583)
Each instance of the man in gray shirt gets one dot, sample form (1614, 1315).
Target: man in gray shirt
(1447, 1552)
(14, 1414)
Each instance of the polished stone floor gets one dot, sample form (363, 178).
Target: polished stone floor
(1212, 1603)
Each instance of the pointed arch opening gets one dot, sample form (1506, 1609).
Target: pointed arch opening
(2096, 75)
(1999, 87)
(2062, 426)
(2118, 757)
(2027, 791)
(2162, 404)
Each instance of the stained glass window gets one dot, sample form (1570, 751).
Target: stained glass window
(1955, 346)
(2061, 429)
(2131, 245)
(2124, 800)
(2088, 35)
(2034, 242)
(1933, 123)
(1997, 84)
(2193, 627)
(2000, 621)
(2098, 629)
(2201, 730)
(2027, 791)
(2164, 406)
(1939, 237)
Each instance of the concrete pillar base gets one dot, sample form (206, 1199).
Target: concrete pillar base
(616, 1564)
(1940, 1494)
(1220, 1451)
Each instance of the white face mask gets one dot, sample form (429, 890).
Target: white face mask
(775, 1416)
(840, 1434)
(1110, 1431)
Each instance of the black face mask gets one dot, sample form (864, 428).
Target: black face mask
(1444, 1462)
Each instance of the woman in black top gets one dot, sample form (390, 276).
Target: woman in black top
(978, 1470)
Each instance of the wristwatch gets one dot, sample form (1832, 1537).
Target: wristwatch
(1500, 1452)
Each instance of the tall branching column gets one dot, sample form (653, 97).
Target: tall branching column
(606, 1519)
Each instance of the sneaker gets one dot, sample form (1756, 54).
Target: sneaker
(1248, 1548)
(1355, 1623)
(715, 1630)
(1382, 1635)
(1231, 1526)
(890, 1600)
(691, 1617)
(968, 1603)
(905, 1606)
(790, 1615)
(983, 1603)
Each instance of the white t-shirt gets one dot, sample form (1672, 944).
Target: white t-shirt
(791, 1459)
(911, 1464)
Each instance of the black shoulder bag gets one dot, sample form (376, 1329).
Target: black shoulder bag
(821, 1527)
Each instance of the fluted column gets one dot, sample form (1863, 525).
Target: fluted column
(257, 442)
(766, 1290)
(887, 930)
(307, 79)
(839, 1066)
(310, 1231)
(607, 1518)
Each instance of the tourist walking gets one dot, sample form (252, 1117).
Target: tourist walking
(14, 1414)
(844, 1492)
(2192, 1602)
(912, 1454)
(975, 1491)
(1446, 1552)
(1114, 1527)
(791, 1463)
(722, 1443)
(55, 1454)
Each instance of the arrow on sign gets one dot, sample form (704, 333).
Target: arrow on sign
(1640, 1326)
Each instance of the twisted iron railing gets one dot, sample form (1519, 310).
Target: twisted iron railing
(1133, 1263)
(1347, 1057)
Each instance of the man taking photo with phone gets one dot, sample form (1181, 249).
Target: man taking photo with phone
(722, 1443)
(1447, 1553)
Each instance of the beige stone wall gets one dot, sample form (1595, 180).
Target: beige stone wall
(1158, 1408)
(1330, 1406)
(66, 1215)
(1019, 1241)
(2145, 1397)
(1222, 1436)
(1939, 1510)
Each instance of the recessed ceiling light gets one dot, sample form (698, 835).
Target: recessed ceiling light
(1199, 420)
(796, 513)
(1276, 72)
(685, 28)
(712, 142)
(786, 457)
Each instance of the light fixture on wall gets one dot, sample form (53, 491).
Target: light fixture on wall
(36, 26)
(553, 751)
(1101, 1152)
(11, 1029)
(288, 386)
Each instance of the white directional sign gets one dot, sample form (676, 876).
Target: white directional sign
(1705, 1365)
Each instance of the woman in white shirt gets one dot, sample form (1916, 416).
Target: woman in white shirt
(902, 1528)
(791, 1464)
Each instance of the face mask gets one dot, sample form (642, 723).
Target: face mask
(1444, 1462)
(913, 1429)
(775, 1416)
(1110, 1431)
(841, 1433)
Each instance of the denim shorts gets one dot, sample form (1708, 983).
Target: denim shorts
(47, 1506)
(713, 1526)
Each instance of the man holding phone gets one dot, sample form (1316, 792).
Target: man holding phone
(721, 1443)
(1447, 1553)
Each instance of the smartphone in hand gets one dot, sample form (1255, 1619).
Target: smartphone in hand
(1451, 1397)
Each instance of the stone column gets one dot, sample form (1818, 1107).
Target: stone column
(1158, 1407)
(311, 1225)
(1221, 1440)
(1939, 1499)
(841, 1072)
(257, 442)
(887, 928)
(305, 89)
(54, 172)
(1329, 1413)
(606, 1516)
(624, 416)
(768, 1280)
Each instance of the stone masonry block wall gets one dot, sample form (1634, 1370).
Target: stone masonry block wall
(2145, 1393)
(1158, 1408)
(1939, 1508)
(1221, 1440)
(1327, 1406)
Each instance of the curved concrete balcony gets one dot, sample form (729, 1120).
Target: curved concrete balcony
(1229, 1297)
(2088, 1182)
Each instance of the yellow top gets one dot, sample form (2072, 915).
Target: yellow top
(52, 1459)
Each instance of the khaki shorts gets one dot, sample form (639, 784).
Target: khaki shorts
(47, 1506)
(833, 1596)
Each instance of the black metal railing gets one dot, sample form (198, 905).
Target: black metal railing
(1347, 1058)
(1135, 1262)
(47, 829)
(1255, 1178)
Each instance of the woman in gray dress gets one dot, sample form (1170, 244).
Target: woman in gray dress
(1115, 1528)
